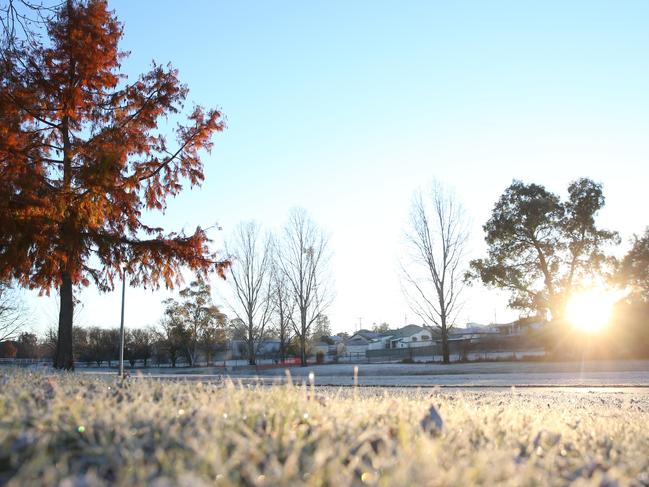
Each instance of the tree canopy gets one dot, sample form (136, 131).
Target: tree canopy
(541, 248)
(82, 159)
(635, 266)
(195, 320)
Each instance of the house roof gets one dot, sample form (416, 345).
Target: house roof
(367, 334)
(404, 332)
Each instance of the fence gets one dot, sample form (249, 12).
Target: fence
(501, 348)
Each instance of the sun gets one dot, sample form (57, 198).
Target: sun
(590, 310)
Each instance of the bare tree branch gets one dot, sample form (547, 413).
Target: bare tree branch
(432, 278)
(303, 260)
(250, 278)
(12, 314)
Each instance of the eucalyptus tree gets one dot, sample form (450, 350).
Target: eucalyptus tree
(542, 249)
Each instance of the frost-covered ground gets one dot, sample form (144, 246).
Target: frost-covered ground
(601, 373)
(83, 430)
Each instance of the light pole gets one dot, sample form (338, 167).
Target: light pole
(121, 325)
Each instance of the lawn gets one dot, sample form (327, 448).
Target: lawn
(79, 430)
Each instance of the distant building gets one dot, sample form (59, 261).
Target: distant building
(329, 345)
(359, 341)
(407, 337)
(521, 326)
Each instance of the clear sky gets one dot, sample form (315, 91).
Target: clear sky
(346, 107)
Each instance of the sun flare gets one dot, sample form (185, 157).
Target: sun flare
(590, 310)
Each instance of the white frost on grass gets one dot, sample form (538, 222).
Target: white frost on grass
(75, 430)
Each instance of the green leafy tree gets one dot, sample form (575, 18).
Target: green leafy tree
(635, 267)
(141, 342)
(212, 336)
(171, 335)
(27, 345)
(195, 317)
(321, 328)
(381, 327)
(541, 249)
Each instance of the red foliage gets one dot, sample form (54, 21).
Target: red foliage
(8, 350)
(81, 158)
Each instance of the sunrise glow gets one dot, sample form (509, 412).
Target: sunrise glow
(590, 310)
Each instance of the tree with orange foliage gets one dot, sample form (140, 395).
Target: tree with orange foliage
(81, 159)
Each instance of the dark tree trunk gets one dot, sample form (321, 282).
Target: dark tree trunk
(282, 350)
(303, 351)
(252, 356)
(445, 351)
(64, 358)
(172, 357)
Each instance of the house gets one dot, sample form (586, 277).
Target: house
(520, 327)
(473, 331)
(407, 337)
(329, 345)
(359, 341)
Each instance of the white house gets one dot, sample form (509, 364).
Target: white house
(407, 337)
(359, 342)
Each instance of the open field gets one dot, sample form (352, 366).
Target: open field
(72, 429)
(625, 373)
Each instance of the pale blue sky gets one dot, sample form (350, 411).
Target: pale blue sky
(346, 107)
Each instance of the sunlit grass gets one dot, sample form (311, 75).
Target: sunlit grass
(85, 431)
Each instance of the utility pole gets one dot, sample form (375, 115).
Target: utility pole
(121, 326)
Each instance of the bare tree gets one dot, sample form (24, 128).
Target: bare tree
(250, 279)
(283, 307)
(303, 259)
(12, 313)
(432, 275)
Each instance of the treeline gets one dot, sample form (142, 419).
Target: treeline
(149, 346)
(92, 345)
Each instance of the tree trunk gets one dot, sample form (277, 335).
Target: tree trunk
(445, 348)
(303, 337)
(303, 351)
(252, 359)
(64, 358)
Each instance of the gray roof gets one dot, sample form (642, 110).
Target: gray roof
(404, 332)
